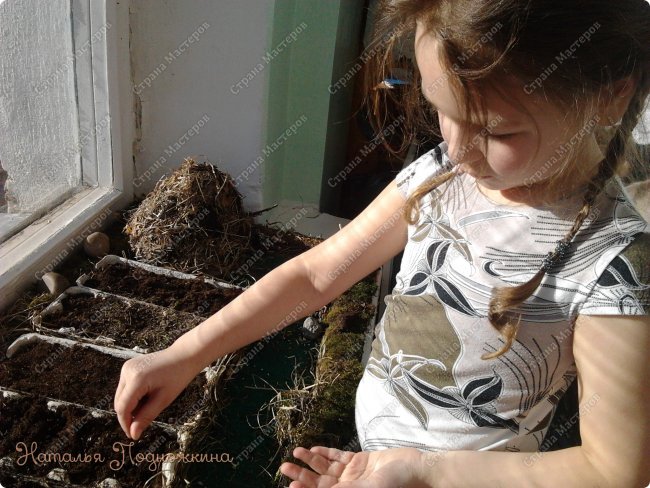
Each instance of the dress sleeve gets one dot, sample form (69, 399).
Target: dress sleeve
(427, 166)
(623, 288)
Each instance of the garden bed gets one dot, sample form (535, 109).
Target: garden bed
(39, 437)
(247, 419)
(81, 375)
(126, 323)
(229, 419)
(167, 288)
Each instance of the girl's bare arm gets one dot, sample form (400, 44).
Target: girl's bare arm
(304, 284)
(292, 291)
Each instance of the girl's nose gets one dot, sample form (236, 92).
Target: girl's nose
(462, 150)
(465, 152)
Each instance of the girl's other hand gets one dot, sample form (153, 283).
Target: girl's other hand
(390, 468)
(148, 384)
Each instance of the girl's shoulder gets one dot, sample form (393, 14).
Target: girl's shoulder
(427, 166)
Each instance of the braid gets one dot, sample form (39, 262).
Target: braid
(506, 298)
(412, 208)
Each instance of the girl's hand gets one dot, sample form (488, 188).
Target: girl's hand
(390, 468)
(148, 384)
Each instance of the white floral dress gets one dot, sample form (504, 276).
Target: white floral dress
(425, 384)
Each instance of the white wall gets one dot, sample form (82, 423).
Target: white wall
(38, 108)
(195, 88)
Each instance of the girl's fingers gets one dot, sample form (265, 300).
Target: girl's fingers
(305, 477)
(297, 484)
(146, 414)
(355, 484)
(317, 462)
(124, 420)
(325, 460)
(118, 391)
(333, 454)
(329, 463)
(126, 402)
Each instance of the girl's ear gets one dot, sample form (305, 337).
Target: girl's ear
(615, 99)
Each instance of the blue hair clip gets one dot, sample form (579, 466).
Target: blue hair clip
(392, 82)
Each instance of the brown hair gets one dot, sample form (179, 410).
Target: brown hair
(571, 51)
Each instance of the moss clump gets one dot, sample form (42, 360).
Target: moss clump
(324, 414)
(341, 346)
(351, 311)
(335, 404)
(193, 220)
(362, 292)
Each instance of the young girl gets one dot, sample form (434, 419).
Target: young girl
(525, 264)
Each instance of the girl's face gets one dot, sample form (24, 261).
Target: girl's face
(504, 154)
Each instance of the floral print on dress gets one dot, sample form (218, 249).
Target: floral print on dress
(425, 384)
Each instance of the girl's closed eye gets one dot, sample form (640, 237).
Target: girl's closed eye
(503, 137)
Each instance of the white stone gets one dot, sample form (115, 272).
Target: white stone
(107, 341)
(109, 483)
(168, 469)
(311, 328)
(58, 474)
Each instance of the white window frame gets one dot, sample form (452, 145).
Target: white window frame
(106, 124)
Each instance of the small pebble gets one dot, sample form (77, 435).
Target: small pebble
(109, 483)
(58, 474)
(311, 328)
(55, 283)
(97, 245)
(108, 341)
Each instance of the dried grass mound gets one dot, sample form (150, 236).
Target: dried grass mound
(193, 220)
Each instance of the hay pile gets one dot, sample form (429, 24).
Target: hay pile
(192, 221)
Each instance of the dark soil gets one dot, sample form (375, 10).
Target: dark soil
(231, 424)
(84, 376)
(128, 323)
(269, 248)
(6, 479)
(87, 440)
(194, 296)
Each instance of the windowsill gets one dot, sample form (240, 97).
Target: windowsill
(305, 219)
(44, 244)
(10, 223)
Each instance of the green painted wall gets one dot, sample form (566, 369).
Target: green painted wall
(307, 124)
